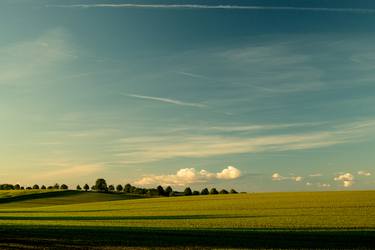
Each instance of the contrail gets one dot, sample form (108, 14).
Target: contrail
(217, 7)
(167, 100)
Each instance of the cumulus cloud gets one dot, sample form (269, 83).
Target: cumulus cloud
(364, 173)
(279, 177)
(347, 179)
(186, 176)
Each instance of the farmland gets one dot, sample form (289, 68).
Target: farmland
(240, 220)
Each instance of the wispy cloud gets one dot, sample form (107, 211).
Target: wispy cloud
(347, 179)
(364, 173)
(167, 100)
(187, 176)
(150, 149)
(213, 7)
(279, 177)
(67, 171)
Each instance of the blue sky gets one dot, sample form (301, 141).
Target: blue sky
(254, 95)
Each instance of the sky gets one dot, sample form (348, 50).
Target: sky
(254, 95)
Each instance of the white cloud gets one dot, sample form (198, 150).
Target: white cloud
(364, 173)
(213, 7)
(279, 177)
(167, 100)
(229, 173)
(324, 185)
(188, 176)
(347, 179)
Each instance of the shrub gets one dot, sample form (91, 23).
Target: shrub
(232, 191)
(195, 192)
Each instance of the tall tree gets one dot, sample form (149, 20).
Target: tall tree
(86, 187)
(101, 185)
(160, 190)
(119, 188)
(204, 191)
(188, 191)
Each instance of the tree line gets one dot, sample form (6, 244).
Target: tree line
(101, 186)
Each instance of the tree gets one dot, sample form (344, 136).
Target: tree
(86, 187)
(111, 188)
(64, 187)
(223, 191)
(56, 186)
(213, 191)
(43, 187)
(36, 186)
(204, 191)
(93, 187)
(232, 191)
(28, 188)
(188, 191)
(195, 192)
(101, 185)
(160, 190)
(22, 188)
(127, 188)
(79, 187)
(17, 187)
(119, 188)
(50, 187)
(168, 191)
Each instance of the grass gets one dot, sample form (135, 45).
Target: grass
(289, 219)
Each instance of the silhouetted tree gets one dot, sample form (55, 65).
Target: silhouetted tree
(223, 191)
(195, 192)
(232, 191)
(168, 191)
(152, 192)
(17, 187)
(64, 187)
(213, 191)
(119, 188)
(204, 191)
(56, 186)
(22, 188)
(36, 186)
(160, 190)
(50, 187)
(86, 187)
(6, 187)
(28, 188)
(43, 187)
(188, 191)
(78, 187)
(127, 188)
(111, 188)
(101, 185)
(93, 187)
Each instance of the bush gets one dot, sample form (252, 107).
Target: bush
(119, 188)
(188, 191)
(204, 191)
(213, 191)
(195, 192)
(50, 187)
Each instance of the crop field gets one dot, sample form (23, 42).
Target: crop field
(240, 220)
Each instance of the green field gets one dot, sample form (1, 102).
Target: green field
(239, 220)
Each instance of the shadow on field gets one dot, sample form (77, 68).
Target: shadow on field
(47, 237)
